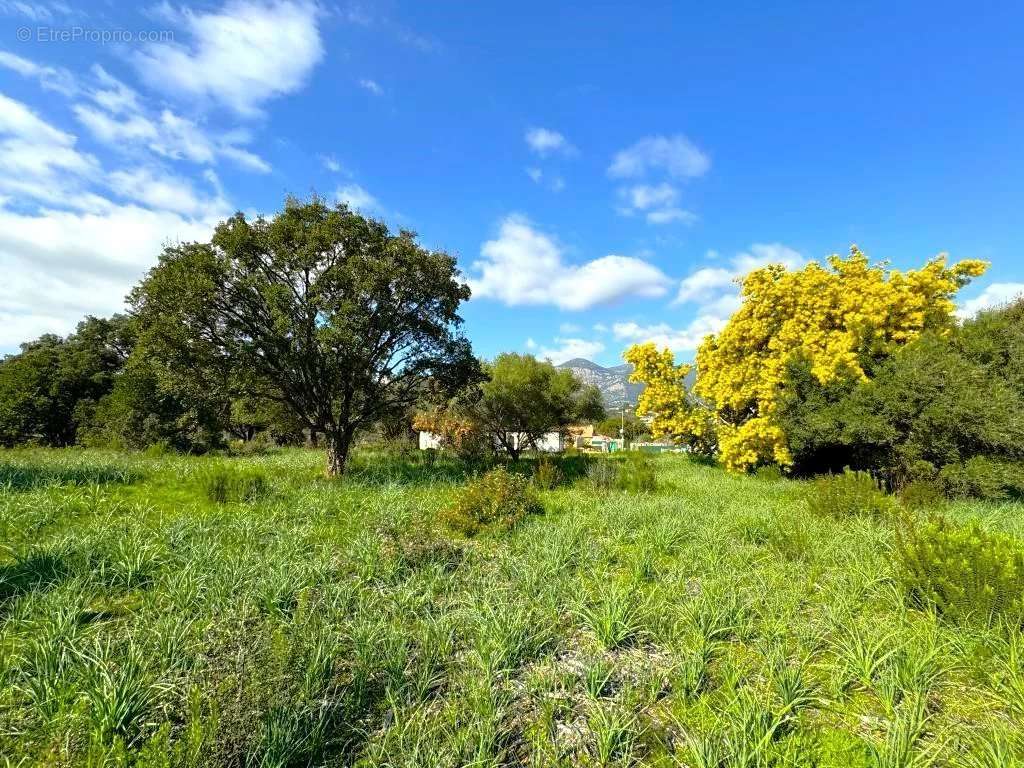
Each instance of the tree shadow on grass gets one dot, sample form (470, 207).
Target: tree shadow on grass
(430, 467)
(39, 571)
(25, 477)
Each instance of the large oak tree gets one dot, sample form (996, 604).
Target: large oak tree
(319, 309)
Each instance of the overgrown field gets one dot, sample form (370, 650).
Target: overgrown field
(176, 611)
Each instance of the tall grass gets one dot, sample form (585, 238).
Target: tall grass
(154, 613)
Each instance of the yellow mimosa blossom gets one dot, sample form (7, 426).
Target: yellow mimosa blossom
(835, 316)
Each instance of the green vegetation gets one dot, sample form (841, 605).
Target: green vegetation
(154, 612)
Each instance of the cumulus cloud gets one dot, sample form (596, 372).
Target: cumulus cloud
(37, 160)
(675, 155)
(544, 141)
(685, 339)
(240, 56)
(995, 295)
(567, 349)
(525, 266)
(68, 247)
(358, 199)
(703, 284)
(62, 265)
(715, 292)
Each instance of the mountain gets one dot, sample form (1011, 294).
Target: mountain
(616, 389)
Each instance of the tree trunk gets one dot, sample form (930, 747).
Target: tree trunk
(338, 444)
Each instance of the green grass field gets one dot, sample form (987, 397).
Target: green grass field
(714, 622)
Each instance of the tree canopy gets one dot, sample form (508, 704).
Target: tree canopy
(523, 398)
(318, 309)
(49, 390)
(843, 320)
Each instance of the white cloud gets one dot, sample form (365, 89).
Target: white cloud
(62, 265)
(675, 155)
(248, 52)
(168, 134)
(715, 291)
(663, 335)
(703, 284)
(554, 183)
(642, 197)
(668, 215)
(656, 202)
(567, 328)
(34, 11)
(544, 141)
(67, 250)
(525, 266)
(50, 78)
(567, 349)
(331, 163)
(166, 192)
(18, 120)
(38, 161)
(994, 295)
(358, 199)
(372, 86)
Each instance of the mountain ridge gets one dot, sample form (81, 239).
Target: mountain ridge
(617, 391)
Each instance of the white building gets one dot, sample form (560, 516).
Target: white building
(549, 442)
(429, 440)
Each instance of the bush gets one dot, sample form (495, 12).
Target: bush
(962, 571)
(983, 478)
(848, 494)
(497, 500)
(548, 475)
(769, 473)
(603, 474)
(637, 475)
(223, 485)
(923, 495)
(260, 445)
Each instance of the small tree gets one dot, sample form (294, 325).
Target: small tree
(319, 309)
(524, 398)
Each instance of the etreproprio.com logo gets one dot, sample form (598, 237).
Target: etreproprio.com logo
(103, 36)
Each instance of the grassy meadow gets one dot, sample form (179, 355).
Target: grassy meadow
(209, 611)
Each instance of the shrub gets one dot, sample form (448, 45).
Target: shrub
(769, 473)
(497, 500)
(637, 475)
(548, 475)
(983, 478)
(848, 494)
(603, 474)
(222, 485)
(922, 495)
(962, 571)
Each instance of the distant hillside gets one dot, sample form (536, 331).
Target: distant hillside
(616, 388)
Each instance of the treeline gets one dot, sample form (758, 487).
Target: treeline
(99, 387)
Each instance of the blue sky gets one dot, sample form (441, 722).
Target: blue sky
(603, 173)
